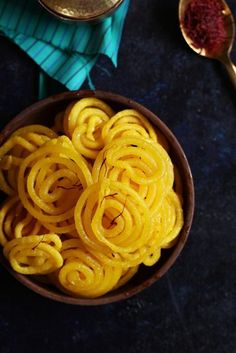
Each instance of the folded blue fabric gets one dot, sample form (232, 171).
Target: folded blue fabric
(65, 51)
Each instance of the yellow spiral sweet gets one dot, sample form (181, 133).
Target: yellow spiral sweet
(119, 222)
(167, 224)
(7, 215)
(83, 122)
(50, 182)
(20, 144)
(89, 207)
(77, 114)
(34, 254)
(140, 163)
(83, 275)
(172, 213)
(178, 184)
(128, 122)
(16, 222)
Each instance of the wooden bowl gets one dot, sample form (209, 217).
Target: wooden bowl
(44, 112)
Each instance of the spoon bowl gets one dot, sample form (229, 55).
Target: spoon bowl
(223, 55)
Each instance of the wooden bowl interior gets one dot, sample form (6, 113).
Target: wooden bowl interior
(44, 112)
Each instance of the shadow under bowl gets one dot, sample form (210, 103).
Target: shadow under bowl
(43, 112)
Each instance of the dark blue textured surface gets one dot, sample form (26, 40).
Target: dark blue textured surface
(191, 309)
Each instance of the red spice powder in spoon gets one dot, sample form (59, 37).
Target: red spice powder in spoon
(204, 24)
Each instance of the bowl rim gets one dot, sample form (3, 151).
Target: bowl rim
(182, 238)
(81, 19)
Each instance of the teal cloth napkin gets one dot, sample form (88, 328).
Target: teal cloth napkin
(65, 51)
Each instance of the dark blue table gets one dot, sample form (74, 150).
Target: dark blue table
(192, 308)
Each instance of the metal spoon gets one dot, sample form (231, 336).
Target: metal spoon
(224, 55)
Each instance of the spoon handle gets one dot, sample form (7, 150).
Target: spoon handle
(230, 67)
